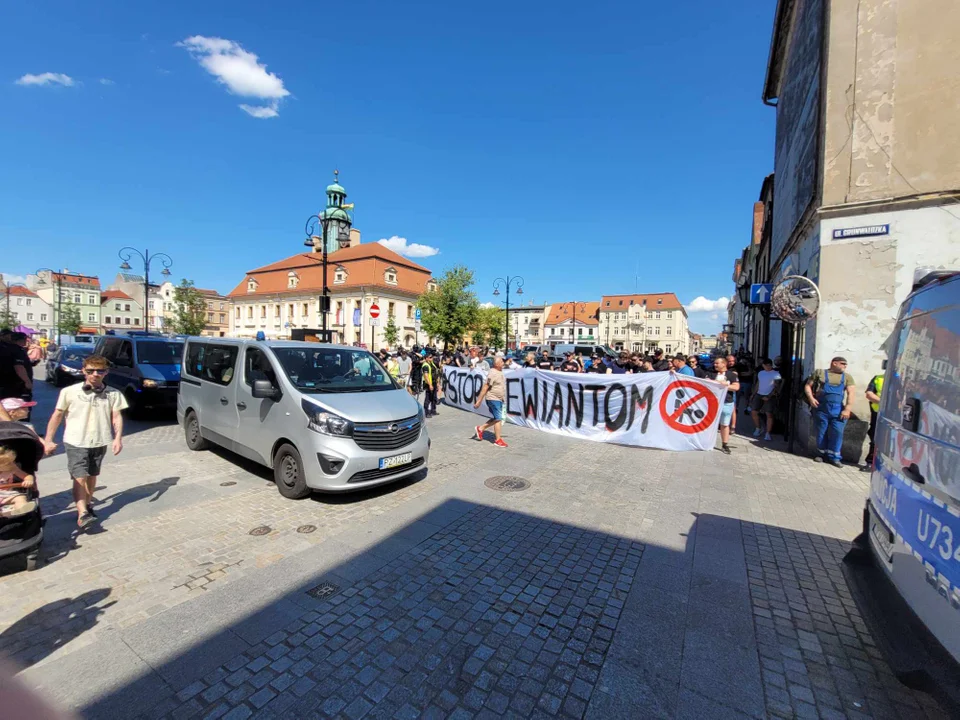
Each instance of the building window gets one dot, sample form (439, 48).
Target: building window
(29, 302)
(209, 317)
(223, 318)
(669, 330)
(391, 309)
(126, 307)
(669, 348)
(657, 315)
(263, 311)
(390, 276)
(669, 314)
(306, 309)
(409, 312)
(290, 311)
(91, 299)
(237, 313)
(29, 316)
(292, 279)
(276, 311)
(126, 321)
(43, 317)
(91, 317)
(221, 306)
(340, 276)
(136, 321)
(251, 286)
(659, 301)
(431, 285)
(106, 320)
(250, 312)
(76, 298)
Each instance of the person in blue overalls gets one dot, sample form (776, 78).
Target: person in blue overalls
(830, 393)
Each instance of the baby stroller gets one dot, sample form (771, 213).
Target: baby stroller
(22, 534)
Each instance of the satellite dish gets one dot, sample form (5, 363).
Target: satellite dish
(795, 299)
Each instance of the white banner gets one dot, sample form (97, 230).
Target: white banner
(657, 410)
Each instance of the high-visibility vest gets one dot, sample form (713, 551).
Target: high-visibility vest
(878, 384)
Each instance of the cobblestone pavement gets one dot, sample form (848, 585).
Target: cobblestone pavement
(624, 583)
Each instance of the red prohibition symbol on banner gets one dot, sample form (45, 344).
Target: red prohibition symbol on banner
(694, 407)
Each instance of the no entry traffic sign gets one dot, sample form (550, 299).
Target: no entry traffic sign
(688, 407)
(374, 311)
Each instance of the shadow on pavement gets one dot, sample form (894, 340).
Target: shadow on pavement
(471, 608)
(52, 626)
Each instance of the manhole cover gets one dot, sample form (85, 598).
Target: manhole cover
(261, 530)
(323, 591)
(306, 529)
(228, 483)
(507, 483)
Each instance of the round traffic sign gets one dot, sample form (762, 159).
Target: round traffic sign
(695, 407)
(374, 311)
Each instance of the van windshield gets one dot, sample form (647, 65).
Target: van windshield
(334, 370)
(160, 353)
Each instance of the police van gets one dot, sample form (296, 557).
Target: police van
(905, 567)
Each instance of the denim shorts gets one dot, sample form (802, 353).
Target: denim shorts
(496, 409)
(726, 414)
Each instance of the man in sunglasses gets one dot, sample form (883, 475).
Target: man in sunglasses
(93, 422)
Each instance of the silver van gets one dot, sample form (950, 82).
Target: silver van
(905, 566)
(324, 417)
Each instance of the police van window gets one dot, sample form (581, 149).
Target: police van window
(213, 363)
(125, 354)
(926, 361)
(109, 349)
(256, 366)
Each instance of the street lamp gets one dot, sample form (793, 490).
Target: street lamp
(56, 277)
(515, 280)
(574, 305)
(341, 228)
(128, 252)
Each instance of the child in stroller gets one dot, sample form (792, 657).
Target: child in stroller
(21, 522)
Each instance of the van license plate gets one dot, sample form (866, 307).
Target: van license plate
(395, 461)
(881, 535)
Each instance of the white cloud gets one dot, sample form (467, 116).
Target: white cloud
(487, 305)
(260, 111)
(715, 316)
(702, 304)
(46, 79)
(401, 246)
(11, 279)
(107, 81)
(240, 71)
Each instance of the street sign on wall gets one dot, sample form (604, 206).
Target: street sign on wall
(416, 315)
(374, 322)
(374, 311)
(760, 293)
(416, 325)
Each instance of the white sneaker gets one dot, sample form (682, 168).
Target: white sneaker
(756, 433)
(766, 436)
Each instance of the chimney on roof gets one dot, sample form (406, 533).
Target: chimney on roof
(64, 271)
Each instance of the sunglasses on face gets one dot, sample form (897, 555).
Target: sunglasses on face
(94, 371)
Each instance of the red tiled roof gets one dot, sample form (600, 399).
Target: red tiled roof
(617, 303)
(209, 293)
(113, 295)
(560, 312)
(77, 279)
(365, 265)
(20, 290)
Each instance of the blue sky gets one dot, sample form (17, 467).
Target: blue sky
(592, 148)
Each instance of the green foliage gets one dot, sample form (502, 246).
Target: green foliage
(391, 332)
(489, 327)
(189, 311)
(70, 320)
(7, 321)
(448, 312)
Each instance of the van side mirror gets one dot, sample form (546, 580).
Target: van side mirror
(265, 390)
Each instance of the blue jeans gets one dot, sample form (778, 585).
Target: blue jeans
(829, 434)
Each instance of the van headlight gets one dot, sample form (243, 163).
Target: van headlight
(326, 423)
(148, 383)
(71, 370)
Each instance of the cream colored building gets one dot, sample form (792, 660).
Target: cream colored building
(526, 325)
(642, 323)
(119, 312)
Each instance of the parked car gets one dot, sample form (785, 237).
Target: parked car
(905, 567)
(64, 366)
(144, 367)
(560, 350)
(324, 417)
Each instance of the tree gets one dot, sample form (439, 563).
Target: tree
(189, 310)
(70, 320)
(7, 320)
(489, 327)
(391, 332)
(450, 310)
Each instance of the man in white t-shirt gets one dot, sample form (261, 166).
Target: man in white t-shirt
(765, 392)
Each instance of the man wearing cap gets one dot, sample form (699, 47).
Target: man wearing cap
(569, 364)
(431, 376)
(830, 394)
(680, 366)
(660, 364)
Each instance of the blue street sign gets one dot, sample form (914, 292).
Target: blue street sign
(760, 293)
(416, 314)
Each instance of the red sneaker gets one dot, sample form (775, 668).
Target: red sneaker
(479, 432)
(501, 443)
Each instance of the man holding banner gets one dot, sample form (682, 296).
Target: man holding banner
(494, 392)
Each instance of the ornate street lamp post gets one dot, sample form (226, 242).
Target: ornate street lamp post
(515, 280)
(574, 305)
(128, 252)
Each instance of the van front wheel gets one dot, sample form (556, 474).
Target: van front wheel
(288, 473)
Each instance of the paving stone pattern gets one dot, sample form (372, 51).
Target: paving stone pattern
(498, 615)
